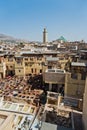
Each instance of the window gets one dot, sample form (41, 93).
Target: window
(74, 76)
(78, 92)
(83, 76)
(41, 71)
(19, 61)
(31, 63)
(31, 58)
(39, 58)
(49, 67)
(7, 67)
(32, 70)
(35, 70)
(26, 64)
(26, 59)
(19, 70)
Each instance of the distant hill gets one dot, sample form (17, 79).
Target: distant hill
(5, 37)
(11, 39)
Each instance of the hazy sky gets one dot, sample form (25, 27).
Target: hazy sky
(26, 19)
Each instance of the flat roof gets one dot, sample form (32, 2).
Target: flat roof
(52, 58)
(83, 50)
(17, 108)
(55, 70)
(49, 126)
(78, 64)
(51, 52)
(2, 54)
(38, 52)
(26, 52)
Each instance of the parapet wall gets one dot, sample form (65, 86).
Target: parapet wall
(51, 77)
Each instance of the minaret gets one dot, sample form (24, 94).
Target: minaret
(44, 36)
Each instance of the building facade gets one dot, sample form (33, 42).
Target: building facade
(85, 107)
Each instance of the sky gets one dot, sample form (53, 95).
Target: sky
(26, 19)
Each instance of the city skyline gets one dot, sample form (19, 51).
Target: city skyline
(26, 19)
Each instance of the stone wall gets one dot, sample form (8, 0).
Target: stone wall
(51, 77)
(85, 107)
(74, 87)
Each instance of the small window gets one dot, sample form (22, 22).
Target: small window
(31, 58)
(19, 70)
(32, 70)
(35, 70)
(11, 67)
(74, 76)
(83, 76)
(39, 58)
(26, 64)
(26, 59)
(49, 67)
(41, 71)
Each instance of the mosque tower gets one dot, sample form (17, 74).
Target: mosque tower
(45, 36)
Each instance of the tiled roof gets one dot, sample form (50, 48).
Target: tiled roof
(62, 38)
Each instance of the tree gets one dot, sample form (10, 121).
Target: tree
(21, 44)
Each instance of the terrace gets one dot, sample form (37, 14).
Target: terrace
(18, 108)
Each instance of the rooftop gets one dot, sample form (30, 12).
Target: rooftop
(17, 107)
(78, 64)
(48, 126)
(62, 39)
(52, 58)
(55, 71)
